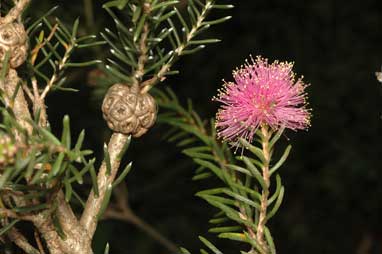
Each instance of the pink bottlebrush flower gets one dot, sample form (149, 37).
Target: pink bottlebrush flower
(262, 94)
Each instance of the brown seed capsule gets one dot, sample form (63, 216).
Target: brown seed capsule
(128, 111)
(13, 38)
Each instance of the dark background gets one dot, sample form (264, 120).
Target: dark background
(333, 177)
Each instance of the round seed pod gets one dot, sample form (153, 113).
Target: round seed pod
(13, 38)
(128, 111)
(8, 151)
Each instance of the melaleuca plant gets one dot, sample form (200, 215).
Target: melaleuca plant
(41, 173)
(263, 101)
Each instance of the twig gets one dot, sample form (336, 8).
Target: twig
(19, 105)
(55, 76)
(36, 50)
(28, 91)
(11, 214)
(160, 75)
(15, 12)
(20, 240)
(142, 59)
(122, 211)
(265, 193)
(38, 241)
(93, 205)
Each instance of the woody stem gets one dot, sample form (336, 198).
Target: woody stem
(266, 135)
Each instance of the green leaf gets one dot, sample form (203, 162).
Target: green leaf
(122, 176)
(210, 245)
(269, 239)
(91, 44)
(202, 176)
(182, 21)
(66, 136)
(206, 41)
(239, 169)
(118, 74)
(80, 141)
(164, 4)
(57, 165)
(139, 28)
(124, 149)
(234, 236)
(223, 6)
(120, 4)
(224, 229)
(83, 64)
(199, 155)
(107, 159)
(75, 28)
(211, 166)
(184, 251)
(255, 172)
(276, 137)
(281, 161)
(7, 227)
(58, 227)
(218, 199)
(48, 135)
(105, 201)
(107, 249)
(192, 51)
(254, 243)
(218, 220)
(230, 212)
(137, 13)
(277, 192)
(68, 191)
(255, 150)
(242, 199)
(217, 21)
(277, 204)
(28, 209)
(93, 176)
(38, 21)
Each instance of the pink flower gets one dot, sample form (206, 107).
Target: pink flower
(262, 94)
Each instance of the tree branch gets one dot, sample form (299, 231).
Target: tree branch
(265, 193)
(122, 211)
(93, 205)
(15, 12)
(15, 99)
(20, 240)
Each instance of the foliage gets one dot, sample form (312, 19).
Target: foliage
(52, 46)
(238, 199)
(148, 44)
(45, 167)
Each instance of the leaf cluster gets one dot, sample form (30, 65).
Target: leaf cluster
(151, 35)
(43, 165)
(52, 44)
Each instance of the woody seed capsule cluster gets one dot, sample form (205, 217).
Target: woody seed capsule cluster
(13, 39)
(128, 111)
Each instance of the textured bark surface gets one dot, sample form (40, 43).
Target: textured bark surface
(19, 104)
(89, 217)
